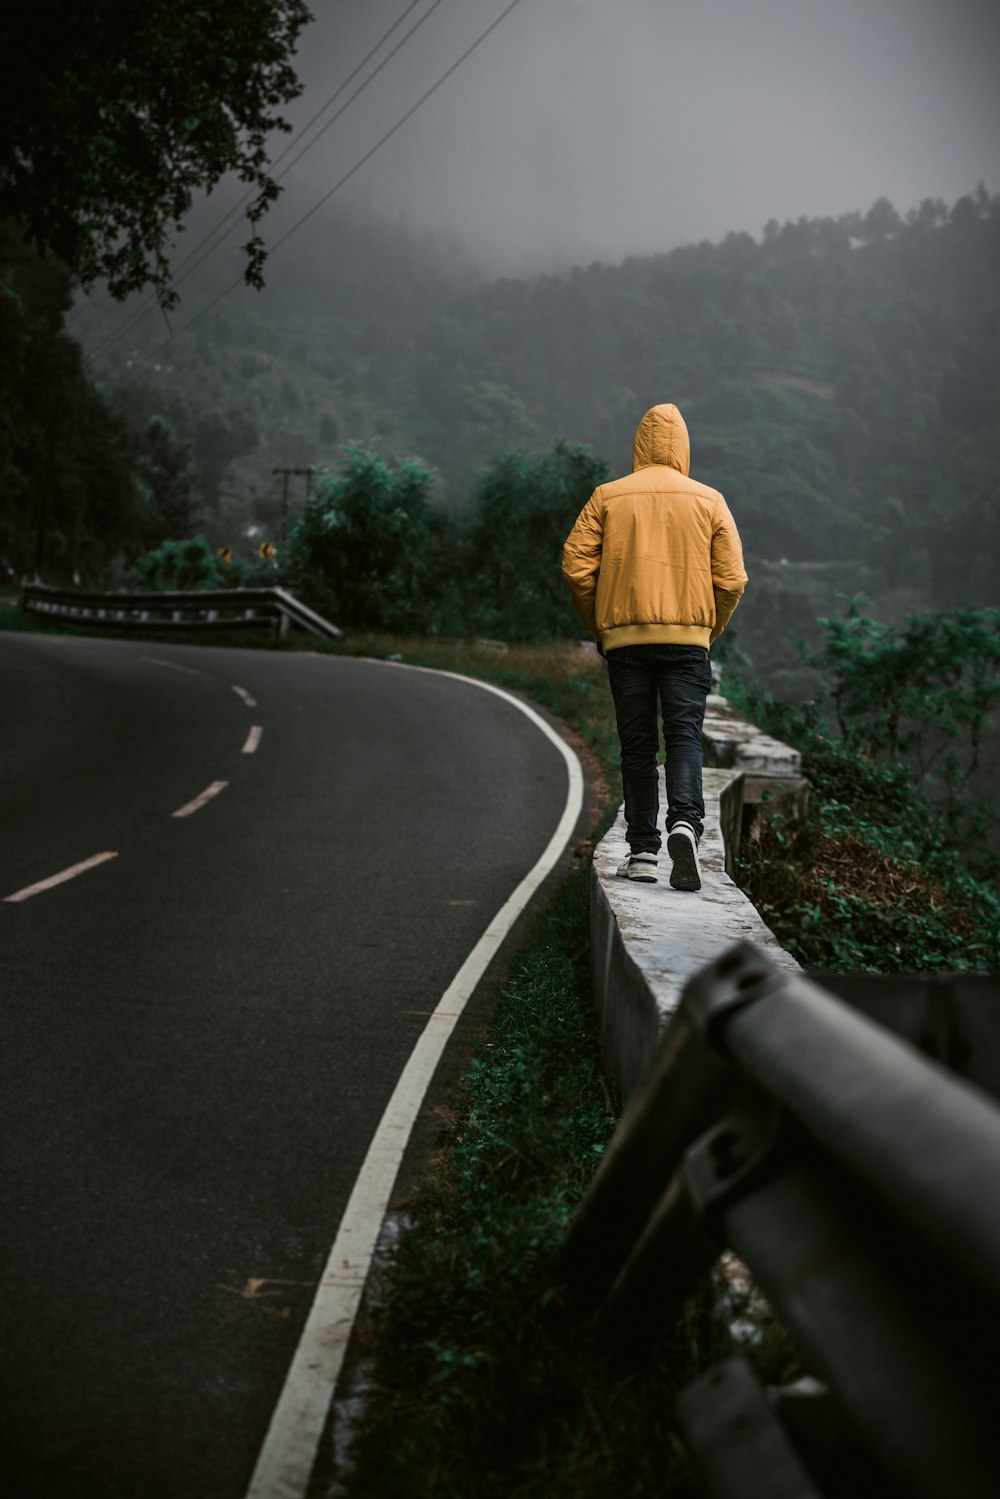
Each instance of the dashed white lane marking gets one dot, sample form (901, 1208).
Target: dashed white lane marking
(251, 702)
(61, 878)
(253, 739)
(192, 671)
(289, 1452)
(199, 801)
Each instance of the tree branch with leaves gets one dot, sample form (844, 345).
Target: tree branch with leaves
(112, 115)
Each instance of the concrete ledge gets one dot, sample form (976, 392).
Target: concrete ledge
(736, 742)
(647, 940)
(773, 782)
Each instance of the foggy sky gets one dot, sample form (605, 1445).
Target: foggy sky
(592, 129)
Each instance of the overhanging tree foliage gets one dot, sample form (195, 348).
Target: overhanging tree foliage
(112, 114)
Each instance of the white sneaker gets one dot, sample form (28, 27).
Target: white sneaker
(639, 867)
(682, 846)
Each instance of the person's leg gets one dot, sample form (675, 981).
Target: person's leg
(684, 679)
(633, 681)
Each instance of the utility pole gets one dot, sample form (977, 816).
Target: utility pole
(286, 474)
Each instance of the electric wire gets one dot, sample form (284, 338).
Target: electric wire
(210, 306)
(224, 227)
(227, 223)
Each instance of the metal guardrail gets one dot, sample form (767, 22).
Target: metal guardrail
(858, 1179)
(220, 609)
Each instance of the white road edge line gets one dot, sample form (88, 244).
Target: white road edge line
(253, 739)
(174, 665)
(287, 1457)
(60, 879)
(251, 702)
(201, 799)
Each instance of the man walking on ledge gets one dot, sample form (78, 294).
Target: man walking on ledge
(654, 567)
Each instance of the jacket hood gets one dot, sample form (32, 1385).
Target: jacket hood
(662, 437)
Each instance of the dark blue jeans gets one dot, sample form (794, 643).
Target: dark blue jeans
(676, 679)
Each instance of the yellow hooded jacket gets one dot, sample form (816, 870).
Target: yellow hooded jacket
(655, 557)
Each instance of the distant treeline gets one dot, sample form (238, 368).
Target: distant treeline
(841, 378)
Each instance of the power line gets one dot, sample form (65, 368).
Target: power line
(210, 306)
(224, 225)
(227, 222)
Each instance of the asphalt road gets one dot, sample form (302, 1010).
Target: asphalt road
(200, 1034)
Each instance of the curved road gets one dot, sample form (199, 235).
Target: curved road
(201, 1033)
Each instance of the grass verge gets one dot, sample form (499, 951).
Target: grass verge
(484, 1386)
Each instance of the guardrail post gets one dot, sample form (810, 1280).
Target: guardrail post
(683, 1094)
(857, 1181)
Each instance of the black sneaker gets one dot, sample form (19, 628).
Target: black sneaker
(639, 867)
(682, 846)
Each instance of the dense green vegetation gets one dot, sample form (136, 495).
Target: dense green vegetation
(922, 698)
(896, 866)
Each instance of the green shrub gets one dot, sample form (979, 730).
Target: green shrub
(181, 565)
(363, 553)
(885, 875)
(924, 695)
(524, 507)
(372, 554)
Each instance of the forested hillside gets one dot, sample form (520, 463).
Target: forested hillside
(841, 378)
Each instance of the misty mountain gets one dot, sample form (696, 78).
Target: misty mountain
(840, 376)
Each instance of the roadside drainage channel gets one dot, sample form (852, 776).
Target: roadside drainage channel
(647, 940)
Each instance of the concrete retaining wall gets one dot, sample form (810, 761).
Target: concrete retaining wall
(647, 940)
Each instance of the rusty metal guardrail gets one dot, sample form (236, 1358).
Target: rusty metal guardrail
(208, 610)
(846, 1147)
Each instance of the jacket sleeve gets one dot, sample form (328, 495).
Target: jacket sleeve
(581, 559)
(728, 573)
